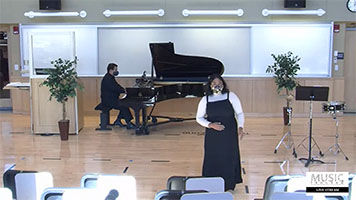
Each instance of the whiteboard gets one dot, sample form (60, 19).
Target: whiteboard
(50, 37)
(129, 47)
(50, 46)
(312, 43)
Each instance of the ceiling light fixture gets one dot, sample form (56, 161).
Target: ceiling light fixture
(32, 14)
(109, 13)
(320, 12)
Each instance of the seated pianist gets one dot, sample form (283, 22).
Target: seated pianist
(110, 92)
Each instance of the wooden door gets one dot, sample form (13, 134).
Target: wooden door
(350, 70)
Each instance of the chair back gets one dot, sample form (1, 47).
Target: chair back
(178, 182)
(89, 180)
(209, 184)
(169, 195)
(124, 185)
(353, 188)
(291, 196)
(83, 193)
(5, 194)
(54, 193)
(30, 186)
(9, 179)
(208, 196)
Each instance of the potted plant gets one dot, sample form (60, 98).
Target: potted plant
(62, 81)
(284, 70)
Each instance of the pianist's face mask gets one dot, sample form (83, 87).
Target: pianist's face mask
(115, 73)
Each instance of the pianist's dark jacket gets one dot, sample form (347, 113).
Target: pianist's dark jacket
(110, 91)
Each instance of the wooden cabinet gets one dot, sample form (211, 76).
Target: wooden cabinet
(46, 114)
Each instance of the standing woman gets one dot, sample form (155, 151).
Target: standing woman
(216, 112)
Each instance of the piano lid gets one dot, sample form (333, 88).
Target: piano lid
(170, 66)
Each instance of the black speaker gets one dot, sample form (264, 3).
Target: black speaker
(50, 4)
(294, 3)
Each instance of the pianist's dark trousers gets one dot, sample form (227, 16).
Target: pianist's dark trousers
(124, 112)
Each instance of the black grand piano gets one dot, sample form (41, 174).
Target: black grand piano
(176, 76)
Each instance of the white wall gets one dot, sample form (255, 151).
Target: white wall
(245, 50)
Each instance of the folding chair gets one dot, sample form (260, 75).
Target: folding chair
(9, 179)
(208, 196)
(178, 182)
(176, 187)
(169, 195)
(54, 193)
(5, 194)
(290, 196)
(89, 180)
(30, 186)
(84, 193)
(124, 185)
(174, 194)
(276, 183)
(353, 188)
(209, 184)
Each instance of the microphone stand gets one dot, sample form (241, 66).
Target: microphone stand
(310, 159)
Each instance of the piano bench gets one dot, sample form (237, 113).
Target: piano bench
(104, 118)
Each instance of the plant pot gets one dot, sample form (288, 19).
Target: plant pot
(63, 129)
(287, 116)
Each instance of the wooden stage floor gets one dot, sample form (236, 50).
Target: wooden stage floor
(170, 149)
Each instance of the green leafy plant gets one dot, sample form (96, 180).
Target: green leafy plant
(285, 69)
(62, 81)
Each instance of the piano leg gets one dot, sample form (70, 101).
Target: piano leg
(137, 121)
(141, 128)
(146, 131)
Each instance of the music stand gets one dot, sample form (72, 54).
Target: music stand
(309, 93)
